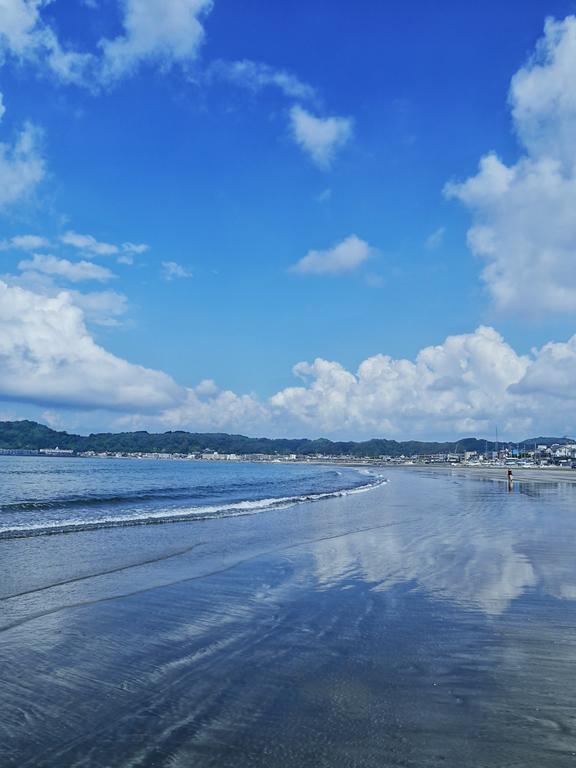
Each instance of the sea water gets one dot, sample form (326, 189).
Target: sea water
(43, 495)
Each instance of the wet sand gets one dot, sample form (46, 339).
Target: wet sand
(430, 622)
(520, 474)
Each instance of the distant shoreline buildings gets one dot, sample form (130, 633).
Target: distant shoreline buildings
(541, 455)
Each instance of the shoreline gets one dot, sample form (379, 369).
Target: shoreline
(531, 474)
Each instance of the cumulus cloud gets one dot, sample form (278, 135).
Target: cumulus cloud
(320, 137)
(207, 407)
(103, 308)
(458, 387)
(75, 272)
(161, 31)
(552, 375)
(524, 224)
(48, 357)
(256, 75)
(461, 387)
(543, 94)
(171, 270)
(345, 256)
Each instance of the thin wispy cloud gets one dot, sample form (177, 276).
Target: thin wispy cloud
(74, 272)
(22, 166)
(256, 76)
(90, 246)
(25, 243)
(171, 270)
(435, 239)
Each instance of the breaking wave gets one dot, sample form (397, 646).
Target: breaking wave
(148, 517)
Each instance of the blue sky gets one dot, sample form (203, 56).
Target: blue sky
(281, 174)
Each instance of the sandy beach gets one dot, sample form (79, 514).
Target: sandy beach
(427, 622)
(519, 474)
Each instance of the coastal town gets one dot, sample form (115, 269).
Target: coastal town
(557, 455)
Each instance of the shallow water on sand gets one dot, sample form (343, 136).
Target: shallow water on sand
(428, 622)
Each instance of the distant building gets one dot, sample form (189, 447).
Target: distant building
(17, 452)
(55, 452)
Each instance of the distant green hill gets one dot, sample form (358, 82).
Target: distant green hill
(531, 442)
(31, 435)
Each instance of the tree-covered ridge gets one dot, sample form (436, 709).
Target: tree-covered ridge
(31, 435)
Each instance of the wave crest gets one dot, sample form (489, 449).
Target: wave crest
(208, 512)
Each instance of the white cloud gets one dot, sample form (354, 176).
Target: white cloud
(543, 94)
(129, 250)
(462, 387)
(346, 256)
(255, 76)
(171, 270)
(25, 243)
(103, 308)
(18, 21)
(320, 137)
(552, 375)
(524, 223)
(44, 274)
(88, 244)
(161, 31)
(458, 387)
(26, 36)
(208, 408)
(135, 247)
(21, 166)
(48, 357)
(75, 272)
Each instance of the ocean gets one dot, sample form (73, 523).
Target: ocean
(41, 495)
(402, 618)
